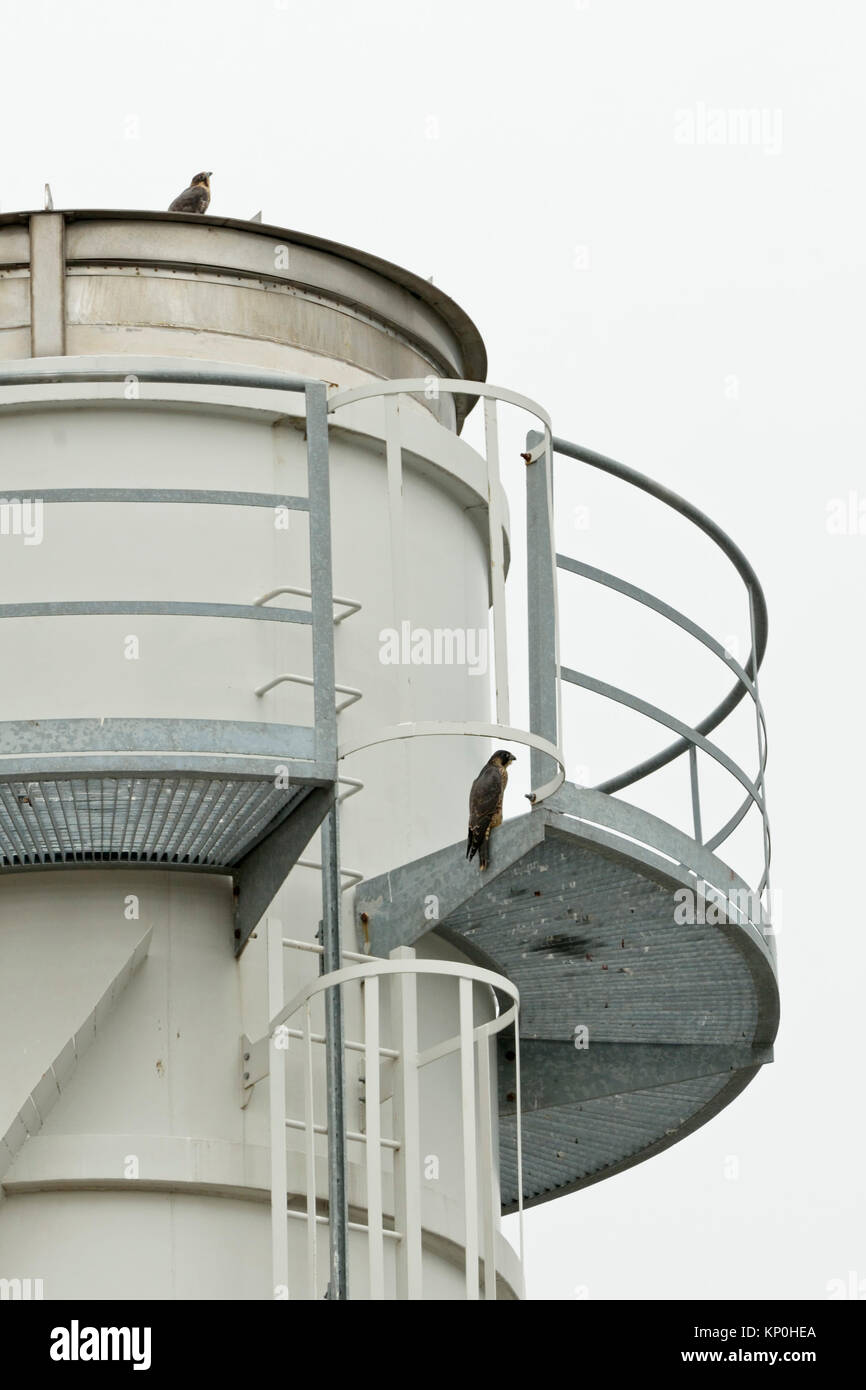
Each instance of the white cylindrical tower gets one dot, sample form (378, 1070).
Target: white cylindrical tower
(157, 539)
(259, 1014)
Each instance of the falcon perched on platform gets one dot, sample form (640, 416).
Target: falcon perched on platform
(196, 198)
(485, 804)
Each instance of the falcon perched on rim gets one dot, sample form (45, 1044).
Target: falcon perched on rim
(196, 198)
(485, 804)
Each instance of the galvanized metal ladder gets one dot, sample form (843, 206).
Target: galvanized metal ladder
(390, 1073)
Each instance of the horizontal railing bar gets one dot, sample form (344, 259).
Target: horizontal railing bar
(376, 966)
(350, 1134)
(37, 374)
(432, 1054)
(730, 826)
(409, 386)
(468, 729)
(621, 586)
(684, 508)
(689, 735)
(740, 563)
(612, 581)
(108, 608)
(199, 496)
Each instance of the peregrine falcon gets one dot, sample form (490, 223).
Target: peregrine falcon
(196, 198)
(485, 804)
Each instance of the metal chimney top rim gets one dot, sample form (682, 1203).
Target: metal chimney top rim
(461, 325)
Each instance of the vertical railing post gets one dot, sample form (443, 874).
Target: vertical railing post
(541, 603)
(372, 1092)
(470, 1157)
(310, 1157)
(495, 522)
(332, 959)
(519, 1128)
(760, 780)
(397, 541)
(277, 1084)
(324, 697)
(407, 1126)
(321, 581)
(487, 1165)
(696, 793)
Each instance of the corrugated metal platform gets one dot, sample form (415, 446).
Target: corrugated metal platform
(678, 1018)
(175, 820)
(188, 794)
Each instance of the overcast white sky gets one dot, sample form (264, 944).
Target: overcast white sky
(692, 308)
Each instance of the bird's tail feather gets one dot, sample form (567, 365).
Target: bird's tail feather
(475, 843)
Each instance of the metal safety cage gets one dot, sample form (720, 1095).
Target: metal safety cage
(196, 794)
(543, 741)
(581, 906)
(391, 1161)
(546, 687)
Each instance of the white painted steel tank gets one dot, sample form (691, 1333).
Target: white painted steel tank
(136, 1163)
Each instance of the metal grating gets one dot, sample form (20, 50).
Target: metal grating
(571, 1146)
(591, 941)
(587, 931)
(196, 820)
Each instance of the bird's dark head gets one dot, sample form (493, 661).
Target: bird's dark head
(502, 757)
(202, 179)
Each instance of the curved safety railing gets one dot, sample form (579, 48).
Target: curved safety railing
(544, 745)
(544, 564)
(131, 374)
(389, 1153)
(171, 790)
(690, 739)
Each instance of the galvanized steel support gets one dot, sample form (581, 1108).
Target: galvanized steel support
(321, 596)
(261, 873)
(332, 960)
(47, 285)
(541, 604)
(407, 1123)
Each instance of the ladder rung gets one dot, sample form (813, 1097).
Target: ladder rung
(351, 874)
(350, 1134)
(316, 948)
(349, 1045)
(353, 1225)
